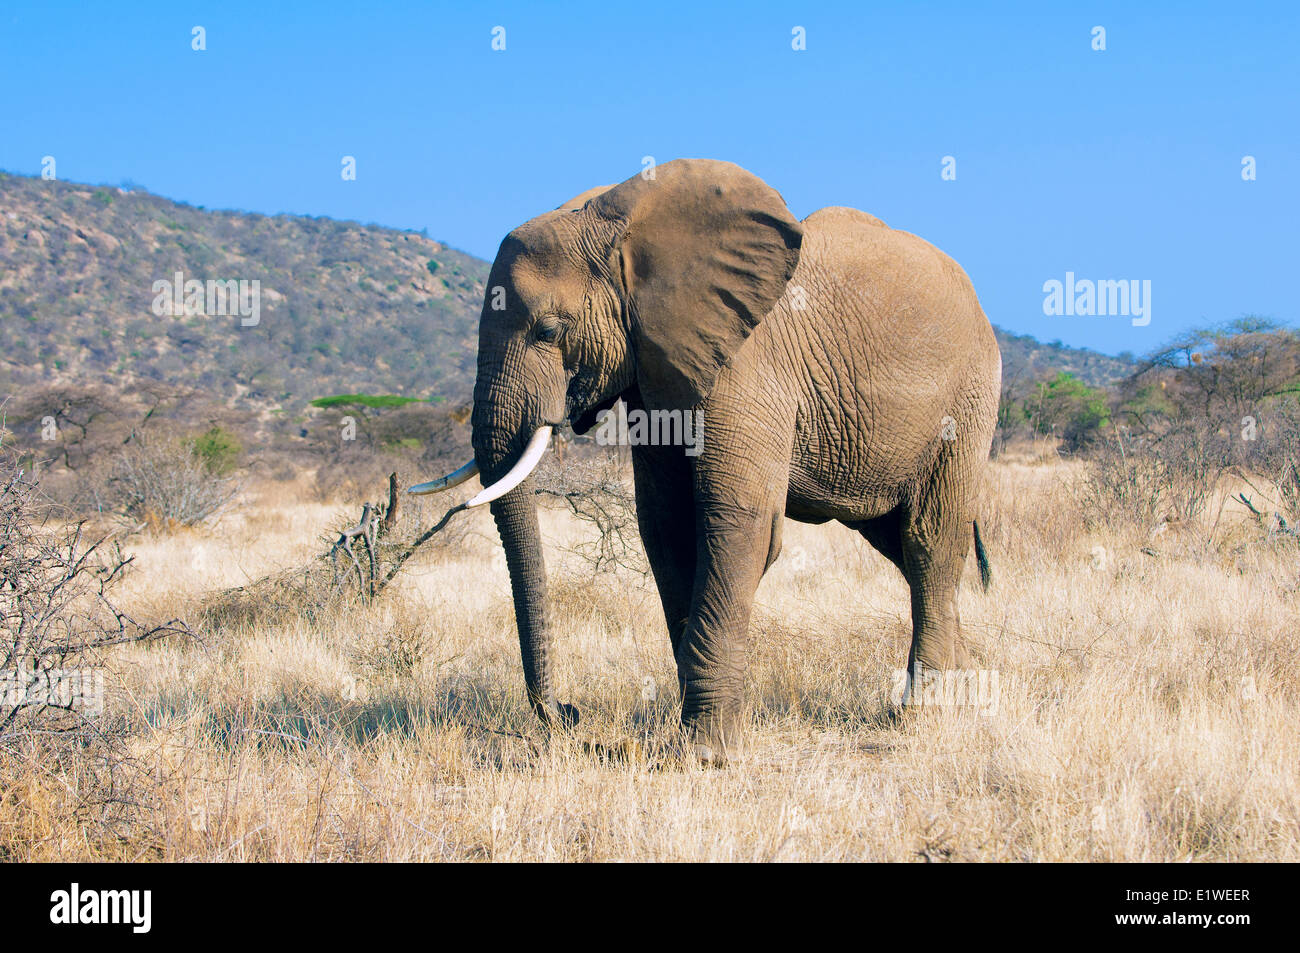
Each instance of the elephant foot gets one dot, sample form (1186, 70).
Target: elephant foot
(957, 686)
(683, 755)
(568, 715)
(708, 758)
(712, 743)
(954, 657)
(560, 716)
(627, 751)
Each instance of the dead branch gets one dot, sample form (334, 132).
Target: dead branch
(358, 565)
(58, 617)
(1277, 526)
(1245, 501)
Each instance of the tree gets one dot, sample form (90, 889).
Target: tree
(1071, 410)
(1222, 374)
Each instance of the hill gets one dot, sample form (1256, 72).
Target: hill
(1026, 359)
(345, 308)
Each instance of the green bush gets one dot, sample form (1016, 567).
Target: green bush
(218, 449)
(374, 401)
(1072, 410)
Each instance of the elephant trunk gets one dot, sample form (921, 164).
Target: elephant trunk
(516, 519)
(514, 508)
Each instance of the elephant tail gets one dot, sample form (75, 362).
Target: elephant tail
(982, 559)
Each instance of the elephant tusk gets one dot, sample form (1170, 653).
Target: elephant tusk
(455, 478)
(532, 455)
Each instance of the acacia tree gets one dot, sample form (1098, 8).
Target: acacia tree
(84, 420)
(1220, 374)
(1211, 400)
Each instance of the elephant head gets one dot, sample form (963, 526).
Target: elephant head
(652, 284)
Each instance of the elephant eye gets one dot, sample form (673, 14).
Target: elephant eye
(547, 330)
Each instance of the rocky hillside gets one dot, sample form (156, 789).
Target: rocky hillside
(344, 308)
(1026, 359)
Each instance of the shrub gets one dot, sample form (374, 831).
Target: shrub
(1070, 409)
(1214, 401)
(1140, 476)
(597, 488)
(162, 481)
(219, 450)
(57, 617)
(1125, 483)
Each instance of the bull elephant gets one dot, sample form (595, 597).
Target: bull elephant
(841, 370)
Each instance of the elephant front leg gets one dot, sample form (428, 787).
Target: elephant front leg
(665, 509)
(733, 550)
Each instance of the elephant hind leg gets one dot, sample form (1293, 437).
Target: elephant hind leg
(929, 573)
(935, 538)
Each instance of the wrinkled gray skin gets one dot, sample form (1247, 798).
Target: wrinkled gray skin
(830, 358)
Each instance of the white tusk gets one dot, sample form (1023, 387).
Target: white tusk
(532, 455)
(455, 478)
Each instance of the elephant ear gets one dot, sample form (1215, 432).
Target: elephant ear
(706, 251)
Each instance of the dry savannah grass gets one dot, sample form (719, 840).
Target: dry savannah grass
(1146, 706)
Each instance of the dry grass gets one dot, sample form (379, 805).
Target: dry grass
(1147, 708)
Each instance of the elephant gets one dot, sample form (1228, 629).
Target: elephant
(841, 370)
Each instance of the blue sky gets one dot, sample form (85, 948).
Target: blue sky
(1117, 164)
